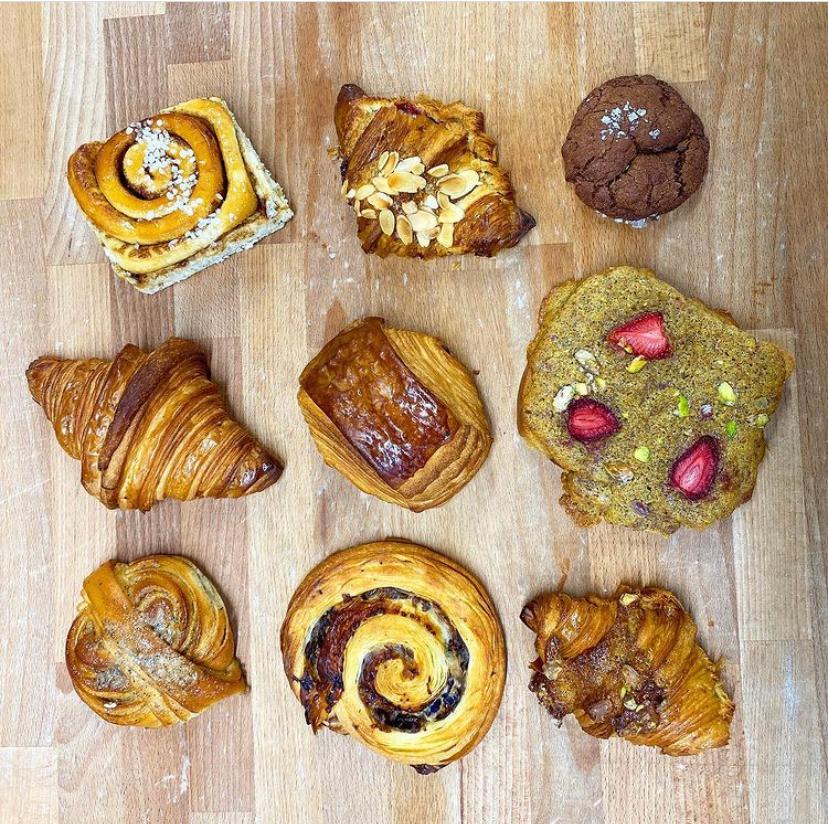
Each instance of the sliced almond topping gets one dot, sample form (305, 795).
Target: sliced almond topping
(404, 231)
(350, 193)
(422, 221)
(386, 221)
(451, 214)
(382, 160)
(409, 207)
(365, 191)
(357, 206)
(456, 186)
(443, 200)
(369, 213)
(380, 200)
(344, 189)
(431, 202)
(423, 239)
(446, 235)
(405, 182)
(409, 164)
(390, 163)
(439, 171)
(382, 185)
(470, 176)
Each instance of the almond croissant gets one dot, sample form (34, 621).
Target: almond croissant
(423, 177)
(152, 644)
(628, 666)
(149, 426)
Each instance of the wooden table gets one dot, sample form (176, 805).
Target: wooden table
(753, 240)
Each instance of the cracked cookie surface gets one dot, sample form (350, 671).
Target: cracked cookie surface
(635, 149)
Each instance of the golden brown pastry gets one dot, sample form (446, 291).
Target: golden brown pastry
(152, 644)
(628, 666)
(423, 179)
(175, 193)
(399, 647)
(395, 413)
(149, 426)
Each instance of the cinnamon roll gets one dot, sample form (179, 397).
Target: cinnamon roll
(399, 647)
(152, 644)
(177, 192)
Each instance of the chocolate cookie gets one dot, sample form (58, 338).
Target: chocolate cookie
(635, 149)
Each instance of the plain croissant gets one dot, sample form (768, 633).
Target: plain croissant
(628, 666)
(149, 426)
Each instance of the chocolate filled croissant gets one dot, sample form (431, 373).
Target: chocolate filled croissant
(399, 647)
(628, 666)
(149, 426)
(152, 644)
(423, 179)
(395, 413)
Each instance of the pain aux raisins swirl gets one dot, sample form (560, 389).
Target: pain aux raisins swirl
(410, 659)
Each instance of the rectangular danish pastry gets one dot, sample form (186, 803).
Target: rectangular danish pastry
(175, 193)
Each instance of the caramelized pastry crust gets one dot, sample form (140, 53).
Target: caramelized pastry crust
(152, 644)
(628, 666)
(149, 426)
(395, 413)
(423, 179)
(398, 646)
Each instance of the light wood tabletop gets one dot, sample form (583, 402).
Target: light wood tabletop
(753, 241)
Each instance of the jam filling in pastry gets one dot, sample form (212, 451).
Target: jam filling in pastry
(423, 179)
(152, 645)
(628, 666)
(654, 405)
(395, 413)
(398, 646)
(175, 193)
(149, 426)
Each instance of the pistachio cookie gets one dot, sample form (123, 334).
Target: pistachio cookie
(635, 149)
(653, 404)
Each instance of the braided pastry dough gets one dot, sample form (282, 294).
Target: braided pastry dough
(395, 413)
(628, 666)
(152, 644)
(175, 193)
(423, 179)
(149, 426)
(401, 648)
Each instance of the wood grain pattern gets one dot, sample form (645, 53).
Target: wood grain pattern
(753, 240)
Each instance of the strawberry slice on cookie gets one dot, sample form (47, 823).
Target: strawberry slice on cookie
(644, 336)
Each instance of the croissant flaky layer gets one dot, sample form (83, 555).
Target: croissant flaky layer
(399, 647)
(152, 644)
(149, 426)
(396, 413)
(628, 666)
(423, 178)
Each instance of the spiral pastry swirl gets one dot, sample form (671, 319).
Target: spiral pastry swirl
(152, 644)
(398, 646)
(149, 426)
(166, 195)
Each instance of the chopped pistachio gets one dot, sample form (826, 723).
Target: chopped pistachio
(683, 407)
(642, 453)
(637, 364)
(587, 360)
(564, 397)
(630, 703)
(581, 388)
(628, 598)
(761, 419)
(727, 394)
(624, 690)
(555, 671)
(731, 429)
(601, 384)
